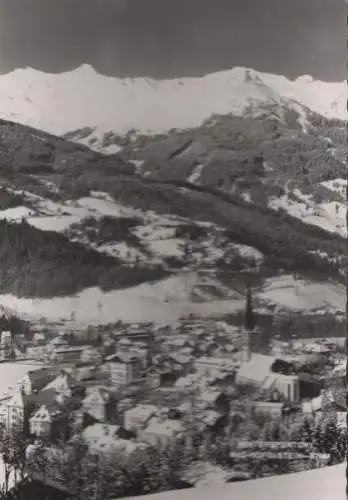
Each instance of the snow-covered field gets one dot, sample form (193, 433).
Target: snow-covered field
(56, 103)
(303, 295)
(161, 302)
(320, 484)
(168, 300)
(330, 216)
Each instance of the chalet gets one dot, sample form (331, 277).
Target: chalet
(49, 422)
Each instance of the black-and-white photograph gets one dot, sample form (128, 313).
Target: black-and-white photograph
(173, 249)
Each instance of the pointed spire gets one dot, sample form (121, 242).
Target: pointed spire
(249, 318)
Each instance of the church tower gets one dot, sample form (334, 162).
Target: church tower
(249, 327)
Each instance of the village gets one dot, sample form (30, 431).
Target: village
(144, 386)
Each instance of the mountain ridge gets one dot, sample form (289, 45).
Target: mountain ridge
(82, 100)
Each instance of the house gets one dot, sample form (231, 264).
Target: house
(139, 349)
(136, 419)
(181, 362)
(103, 439)
(256, 370)
(51, 421)
(6, 338)
(213, 399)
(68, 354)
(137, 335)
(272, 408)
(125, 369)
(90, 355)
(287, 385)
(7, 346)
(7, 352)
(160, 432)
(335, 405)
(209, 365)
(35, 380)
(15, 410)
(39, 339)
(99, 403)
(64, 387)
(173, 344)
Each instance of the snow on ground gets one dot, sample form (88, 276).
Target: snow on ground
(15, 214)
(122, 251)
(11, 373)
(168, 300)
(172, 247)
(196, 174)
(338, 185)
(57, 102)
(48, 215)
(330, 216)
(303, 295)
(162, 302)
(55, 223)
(155, 231)
(319, 484)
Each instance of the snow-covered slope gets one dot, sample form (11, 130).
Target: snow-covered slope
(193, 288)
(319, 484)
(83, 98)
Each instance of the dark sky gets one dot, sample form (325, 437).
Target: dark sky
(167, 38)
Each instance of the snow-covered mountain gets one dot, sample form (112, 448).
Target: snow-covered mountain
(95, 105)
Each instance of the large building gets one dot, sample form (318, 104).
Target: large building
(260, 369)
(125, 369)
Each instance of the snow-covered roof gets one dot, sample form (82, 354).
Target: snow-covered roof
(320, 484)
(142, 412)
(168, 427)
(258, 368)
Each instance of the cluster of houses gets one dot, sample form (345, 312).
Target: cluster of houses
(152, 384)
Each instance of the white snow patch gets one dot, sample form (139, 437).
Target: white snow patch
(15, 214)
(196, 174)
(167, 248)
(330, 216)
(318, 484)
(303, 295)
